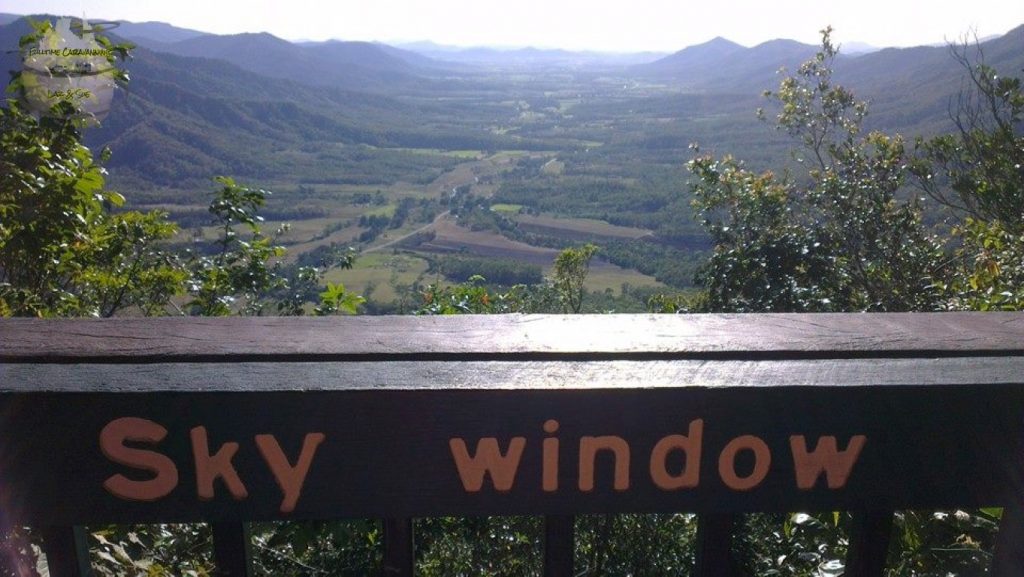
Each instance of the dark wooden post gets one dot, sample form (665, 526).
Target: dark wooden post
(67, 551)
(399, 556)
(559, 545)
(1009, 555)
(869, 544)
(232, 549)
(714, 546)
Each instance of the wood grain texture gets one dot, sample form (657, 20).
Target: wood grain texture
(559, 545)
(870, 535)
(698, 336)
(713, 555)
(399, 551)
(505, 375)
(1008, 560)
(232, 549)
(67, 551)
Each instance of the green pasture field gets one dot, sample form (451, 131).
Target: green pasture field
(574, 227)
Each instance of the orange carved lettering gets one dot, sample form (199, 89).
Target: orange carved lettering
(210, 467)
(727, 462)
(826, 458)
(112, 439)
(589, 446)
(488, 459)
(690, 445)
(290, 479)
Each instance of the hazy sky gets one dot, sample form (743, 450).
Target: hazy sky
(610, 25)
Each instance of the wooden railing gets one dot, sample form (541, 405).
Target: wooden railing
(230, 421)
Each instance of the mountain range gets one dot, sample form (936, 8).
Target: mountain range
(200, 104)
(526, 56)
(714, 66)
(350, 65)
(722, 65)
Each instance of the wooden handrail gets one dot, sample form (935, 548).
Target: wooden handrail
(229, 421)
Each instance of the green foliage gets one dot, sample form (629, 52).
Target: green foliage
(978, 170)
(152, 550)
(512, 546)
(679, 303)
(845, 236)
(336, 299)
(635, 544)
(474, 297)
(825, 117)
(350, 548)
(571, 268)
(244, 273)
(944, 542)
(564, 292)
(62, 251)
(302, 284)
(793, 545)
(990, 268)
(764, 258)
(240, 270)
(485, 546)
(134, 267)
(839, 238)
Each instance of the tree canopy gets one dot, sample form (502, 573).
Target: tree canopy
(844, 230)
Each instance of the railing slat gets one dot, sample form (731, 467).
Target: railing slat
(714, 546)
(232, 549)
(869, 544)
(67, 551)
(1009, 555)
(559, 545)
(399, 556)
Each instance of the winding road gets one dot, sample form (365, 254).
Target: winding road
(398, 240)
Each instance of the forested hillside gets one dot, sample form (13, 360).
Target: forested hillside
(482, 140)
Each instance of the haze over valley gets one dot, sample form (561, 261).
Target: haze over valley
(430, 160)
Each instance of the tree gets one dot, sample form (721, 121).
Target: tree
(764, 259)
(571, 268)
(979, 169)
(838, 237)
(977, 172)
(63, 251)
(846, 235)
(565, 291)
(239, 269)
(474, 297)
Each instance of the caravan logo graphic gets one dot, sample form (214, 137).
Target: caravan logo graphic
(65, 66)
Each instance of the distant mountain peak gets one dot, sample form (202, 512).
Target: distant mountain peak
(783, 42)
(253, 35)
(856, 48)
(698, 55)
(716, 43)
(720, 40)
